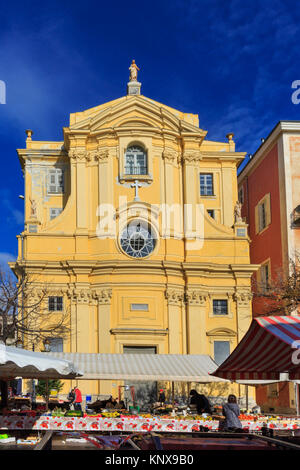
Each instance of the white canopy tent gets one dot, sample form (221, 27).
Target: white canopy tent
(151, 367)
(17, 362)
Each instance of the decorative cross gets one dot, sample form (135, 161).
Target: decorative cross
(136, 185)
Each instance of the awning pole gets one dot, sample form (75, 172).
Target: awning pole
(173, 397)
(47, 394)
(247, 398)
(296, 388)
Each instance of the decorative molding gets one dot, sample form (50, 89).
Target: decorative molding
(221, 332)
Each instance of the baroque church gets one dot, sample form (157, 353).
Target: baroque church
(132, 223)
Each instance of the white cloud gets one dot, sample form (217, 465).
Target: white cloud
(4, 259)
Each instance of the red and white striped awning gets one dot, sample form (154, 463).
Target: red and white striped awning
(267, 349)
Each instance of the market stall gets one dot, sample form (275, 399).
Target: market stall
(193, 368)
(266, 351)
(17, 362)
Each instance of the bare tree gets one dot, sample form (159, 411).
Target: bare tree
(281, 294)
(24, 313)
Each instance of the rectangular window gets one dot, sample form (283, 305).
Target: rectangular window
(206, 184)
(141, 307)
(55, 304)
(139, 350)
(54, 212)
(265, 275)
(211, 213)
(241, 195)
(262, 220)
(263, 213)
(220, 307)
(55, 345)
(221, 351)
(55, 181)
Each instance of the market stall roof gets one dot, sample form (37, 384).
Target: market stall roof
(17, 362)
(266, 350)
(169, 367)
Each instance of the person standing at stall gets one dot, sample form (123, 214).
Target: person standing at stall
(71, 398)
(78, 399)
(162, 397)
(201, 402)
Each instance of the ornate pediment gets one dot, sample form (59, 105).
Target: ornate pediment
(133, 112)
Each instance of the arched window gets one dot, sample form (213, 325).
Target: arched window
(135, 161)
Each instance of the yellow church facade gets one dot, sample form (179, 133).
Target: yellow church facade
(130, 221)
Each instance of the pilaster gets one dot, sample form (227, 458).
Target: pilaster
(196, 321)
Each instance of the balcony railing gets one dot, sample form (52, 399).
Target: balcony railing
(135, 170)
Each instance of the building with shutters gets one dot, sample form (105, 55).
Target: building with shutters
(269, 191)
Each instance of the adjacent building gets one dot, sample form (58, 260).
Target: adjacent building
(269, 190)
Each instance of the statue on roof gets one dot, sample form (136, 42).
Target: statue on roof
(133, 71)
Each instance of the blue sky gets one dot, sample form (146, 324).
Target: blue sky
(232, 62)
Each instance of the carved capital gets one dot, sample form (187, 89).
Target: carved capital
(101, 155)
(169, 155)
(191, 157)
(242, 298)
(79, 296)
(174, 296)
(194, 297)
(104, 296)
(78, 155)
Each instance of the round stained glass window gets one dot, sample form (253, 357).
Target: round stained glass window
(138, 239)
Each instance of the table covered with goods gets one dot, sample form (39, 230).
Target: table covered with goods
(115, 421)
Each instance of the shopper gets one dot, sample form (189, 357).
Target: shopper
(231, 411)
(202, 403)
(78, 399)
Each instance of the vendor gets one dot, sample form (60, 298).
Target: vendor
(162, 397)
(201, 402)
